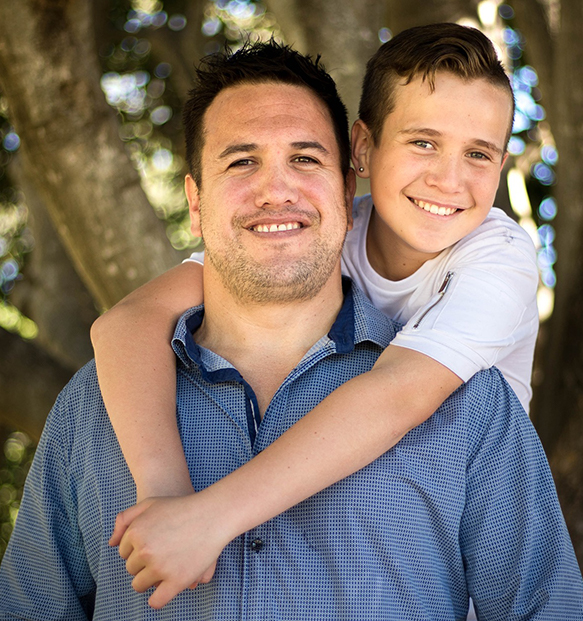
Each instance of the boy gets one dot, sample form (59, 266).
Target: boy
(436, 114)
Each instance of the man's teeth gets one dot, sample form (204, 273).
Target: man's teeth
(274, 228)
(440, 211)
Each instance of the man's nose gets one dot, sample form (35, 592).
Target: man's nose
(275, 186)
(447, 174)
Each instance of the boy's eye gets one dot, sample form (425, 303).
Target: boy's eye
(478, 155)
(424, 144)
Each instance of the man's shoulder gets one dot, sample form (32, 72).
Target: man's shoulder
(81, 396)
(485, 401)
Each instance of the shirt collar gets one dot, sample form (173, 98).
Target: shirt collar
(358, 321)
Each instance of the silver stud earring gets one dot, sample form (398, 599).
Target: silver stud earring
(361, 169)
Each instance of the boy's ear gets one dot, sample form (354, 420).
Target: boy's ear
(362, 143)
(193, 198)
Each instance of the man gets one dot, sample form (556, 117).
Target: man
(464, 505)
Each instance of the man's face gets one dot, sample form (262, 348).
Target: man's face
(435, 172)
(273, 207)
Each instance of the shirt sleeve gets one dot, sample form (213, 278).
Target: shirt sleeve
(44, 574)
(487, 307)
(196, 257)
(519, 557)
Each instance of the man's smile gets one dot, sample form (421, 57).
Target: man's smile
(275, 228)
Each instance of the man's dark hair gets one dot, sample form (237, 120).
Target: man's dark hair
(424, 51)
(259, 63)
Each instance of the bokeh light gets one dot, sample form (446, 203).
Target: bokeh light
(11, 141)
(15, 460)
(548, 208)
(177, 22)
(385, 35)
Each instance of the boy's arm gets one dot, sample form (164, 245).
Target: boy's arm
(137, 375)
(174, 541)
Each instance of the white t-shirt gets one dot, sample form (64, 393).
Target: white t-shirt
(487, 315)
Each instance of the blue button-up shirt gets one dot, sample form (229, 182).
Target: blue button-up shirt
(463, 506)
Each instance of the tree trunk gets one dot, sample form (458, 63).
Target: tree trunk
(50, 77)
(52, 293)
(30, 381)
(559, 400)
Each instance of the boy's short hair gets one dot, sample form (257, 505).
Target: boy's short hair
(259, 63)
(424, 51)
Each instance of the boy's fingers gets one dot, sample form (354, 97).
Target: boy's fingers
(164, 592)
(124, 519)
(144, 580)
(208, 574)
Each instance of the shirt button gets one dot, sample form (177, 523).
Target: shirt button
(256, 545)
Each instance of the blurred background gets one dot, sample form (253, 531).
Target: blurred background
(92, 166)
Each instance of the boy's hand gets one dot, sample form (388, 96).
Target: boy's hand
(169, 543)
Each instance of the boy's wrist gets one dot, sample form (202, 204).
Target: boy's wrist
(163, 483)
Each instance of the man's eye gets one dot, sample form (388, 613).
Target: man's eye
(305, 159)
(239, 163)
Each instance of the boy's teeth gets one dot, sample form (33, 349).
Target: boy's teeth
(274, 228)
(440, 211)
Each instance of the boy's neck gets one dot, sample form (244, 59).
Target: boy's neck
(387, 254)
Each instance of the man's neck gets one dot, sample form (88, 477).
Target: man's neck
(265, 341)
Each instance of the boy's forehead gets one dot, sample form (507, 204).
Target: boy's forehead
(425, 100)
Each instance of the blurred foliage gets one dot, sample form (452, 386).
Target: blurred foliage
(15, 238)
(15, 459)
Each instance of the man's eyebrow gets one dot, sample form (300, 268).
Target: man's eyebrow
(302, 145)
(238, 148)
(309, 144)
(433, 132)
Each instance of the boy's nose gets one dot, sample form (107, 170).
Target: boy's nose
(447, 174)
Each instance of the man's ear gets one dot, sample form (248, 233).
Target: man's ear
(193, 198)
(362, 143)
(504, 158)
(349, 192)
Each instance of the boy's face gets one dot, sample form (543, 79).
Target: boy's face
(436, 170)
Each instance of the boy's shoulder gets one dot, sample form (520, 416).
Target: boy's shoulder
(498, 233)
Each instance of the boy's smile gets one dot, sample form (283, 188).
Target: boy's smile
(435, 172)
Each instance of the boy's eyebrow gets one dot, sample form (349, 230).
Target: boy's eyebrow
(251, 146)
(428, 131)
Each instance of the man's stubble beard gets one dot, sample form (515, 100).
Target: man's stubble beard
(281, 281)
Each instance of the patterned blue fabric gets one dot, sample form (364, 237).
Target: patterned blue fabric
(463, 505)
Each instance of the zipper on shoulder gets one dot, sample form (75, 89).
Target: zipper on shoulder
(441, 292)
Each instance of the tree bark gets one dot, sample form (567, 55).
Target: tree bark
(558, 406)
(344, 33)
(30, 381)
(52, 293)
(50, 77)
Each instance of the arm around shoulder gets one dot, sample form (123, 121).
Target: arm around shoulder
(137, 375)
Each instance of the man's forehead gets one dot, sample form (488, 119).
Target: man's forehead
(249, 114)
